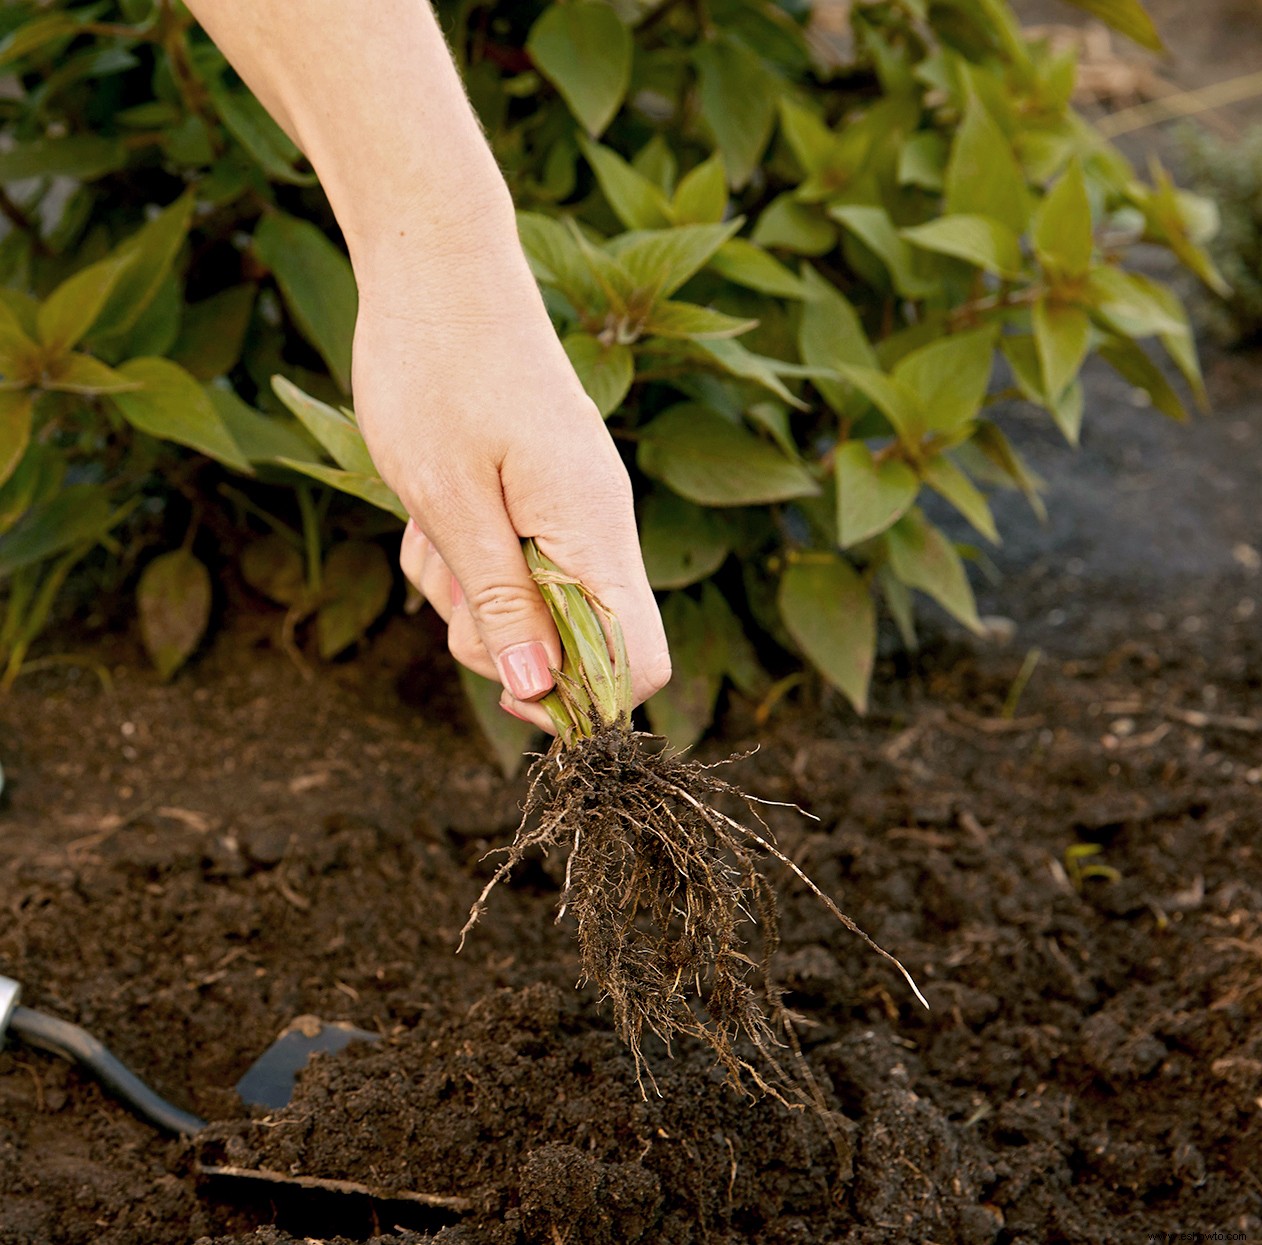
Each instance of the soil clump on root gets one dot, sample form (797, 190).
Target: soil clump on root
(664, 886)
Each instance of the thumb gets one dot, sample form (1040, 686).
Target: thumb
(509, 616)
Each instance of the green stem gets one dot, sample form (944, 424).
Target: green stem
(311, 540)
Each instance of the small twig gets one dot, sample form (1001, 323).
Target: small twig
(1181, 104)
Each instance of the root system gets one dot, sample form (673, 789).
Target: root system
(666, 891)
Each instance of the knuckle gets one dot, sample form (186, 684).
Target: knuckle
(498, 606)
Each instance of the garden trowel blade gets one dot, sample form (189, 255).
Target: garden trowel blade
(269, 1080)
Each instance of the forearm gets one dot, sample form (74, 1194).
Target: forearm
(370, 94)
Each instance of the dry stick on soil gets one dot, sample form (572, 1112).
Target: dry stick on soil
(659, 880)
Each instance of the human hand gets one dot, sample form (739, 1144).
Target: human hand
(475, 417)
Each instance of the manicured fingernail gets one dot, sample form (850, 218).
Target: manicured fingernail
(524, 670)
(512, 713)
(457, 593)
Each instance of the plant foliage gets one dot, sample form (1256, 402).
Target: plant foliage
(791, 266)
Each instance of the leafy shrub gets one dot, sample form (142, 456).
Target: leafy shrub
(1230, 174)
(784, 267)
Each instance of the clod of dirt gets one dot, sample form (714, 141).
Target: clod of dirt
(661, 883)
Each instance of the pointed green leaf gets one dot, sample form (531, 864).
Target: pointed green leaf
(172, 406)
(871, 495)
(682, 543)
(605, 370)
(874, 228)
(84, 157)
(584, 50)
(660, 261)
(1128, 359)
(81, 373)
(1062, 232)
(983, 177)
(793, 226)
(739, 260)
(273, 567)
(636, 201)
(331, 428)
(831, 333)
(737, 361)
(16, 408)
(34, 481)
(656, 160)
(899, 603)
(509, 737)
(1131, 304)
(76, 515)
(356, 587)
(173, 603)
(267, 144)
(738, 102)
(714, 462)
(317, 285)
(371, 489)
(670, 319)
(212, 333)
(20, 357)
(987, 244)
(34, 33)
(946, 479)
(923, 161)
(734, 650)
(1062, 335)
(701, 197)
(990, 441)
(897, 401)
(828, 610)
(924, 559)
(813, 144)
(261, 438)
(950, 376)
(149, 256)
(67, 314)
(556, 258)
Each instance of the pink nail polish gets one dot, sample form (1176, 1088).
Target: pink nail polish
(524, 670)
(457, 593)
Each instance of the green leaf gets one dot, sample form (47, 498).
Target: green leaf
(34, 481)
(683, 709)
(738, 102)
(899, 603)
(81, 373)
(76, 515)
(16, 408)
(923, 161)
(701, 197)
(682, 543)
(356, 588)
(924, 559)
(656, 160)
(252, 126)
(813, 144)
(1062, 335)
(987, 244)
(173, 603)
(989, 440)
(794, 226)
(213, 332)
(34, 33)
(336, 432)
(19, 355)
(261, 438)
(714, 462)
(1062, 233)
(508, 736)
(828, 610)
(636, 201)
(84, 157)
(946, 479)
(1128, 17)
(1128, 359)
(734, 651)
(983, 176)
(584, 50)
(1131, 304)
(874, 228)
(172, 406)
(734, 359)
(149, 255)
(273, 567)
(67, 314)
(670, 319)
(368, 488)
(831, 333)
(660, 261)
(739, 260)
(555, 257)
(317, 284)
(871, 495)
(950, 376)
(605, 370)
(897, 401)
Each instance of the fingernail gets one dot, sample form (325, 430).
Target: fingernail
(512, 713)
(457, 593)
(524, 670)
